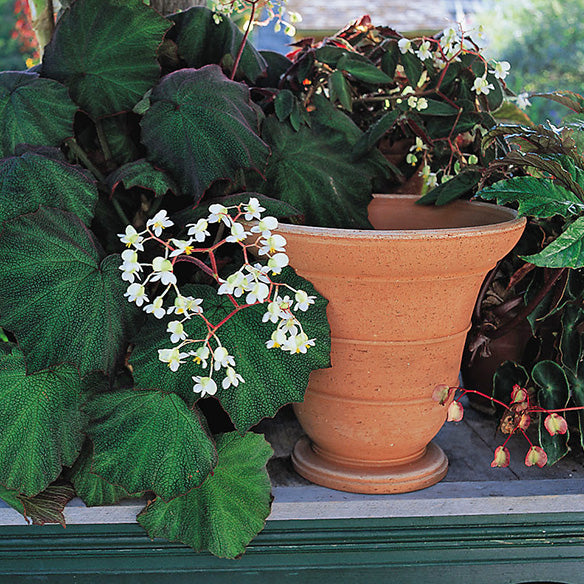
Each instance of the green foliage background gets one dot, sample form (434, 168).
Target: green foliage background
(10, 56)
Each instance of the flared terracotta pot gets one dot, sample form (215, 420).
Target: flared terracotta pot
(400, 304)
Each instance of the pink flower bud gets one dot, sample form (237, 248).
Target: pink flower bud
(519, 394)
(536, 455)
(442, 393)
(501, 458)
(455, 412)
(555, 424)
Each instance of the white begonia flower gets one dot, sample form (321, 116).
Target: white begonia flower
(200, 356)
(156, 307)
(130, 266)
(232, 378)
(186, 305)
(198, 230)
(182, 246)
(238, 233)
(162, 268)
(272, 244)
(288, 325)
(132, 238)
(219, 213)
(272, 313)
(298, 344)
(176, 330)
(412, 159)
(235, 285)
(173, 357)
(136, 293)
(303, 300)
(253, 209)
(265, 226)
(449, 36)
(501, 69)
(419, 145)
(222, 358)
(159, 222)
(482, 86)
(258, 293)
(277, 262)
(422, 104)
(277, 340)
(523, 101)
(408, 90)
(405, 46)
(204, 385)
(424, 52)
(413, 101)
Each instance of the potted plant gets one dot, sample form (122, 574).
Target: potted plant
(128, 291)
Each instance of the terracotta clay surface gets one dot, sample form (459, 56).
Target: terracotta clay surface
(400, 303)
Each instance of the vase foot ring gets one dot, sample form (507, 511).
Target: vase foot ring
(422, 473)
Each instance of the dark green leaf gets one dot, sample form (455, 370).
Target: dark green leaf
(142, 174)
(31, 179)
(330, 55)
(34, 111)
(202, 41)
(202, 127)
(362, 70)
(537, 197)
(339, 90)
(284, 103)
(228, 510)
(67, 302)
(567, 250)
(553, 394)
(570, 99)
(42, 424)
(121, 133)
(571, 339)
(413, 68)
(369, 139)
(505, 377)
(439, 108)
(458, 186)
(149, 441)
(272, 377)
(277, 65)
(495, 97)
(390, 59)
(104, 51)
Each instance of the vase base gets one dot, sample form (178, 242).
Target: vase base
(403, 478)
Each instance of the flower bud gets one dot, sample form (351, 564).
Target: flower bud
(501, 458)
(519, 394)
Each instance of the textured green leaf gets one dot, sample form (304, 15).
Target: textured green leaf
(314, 172)
(104, 51)
(537, 197)
(363, 70)
(149, 441)
(375, 132)
(272, 377)
(140, 173)
(67, 302)
(42, 423)
(46, 507)
(34, 111)
(553, 394)
(201, 41)
(339, 90)
(229, 509)
(121, 134)
(30, 180)
(567, 250)
(202, 127)
(93, 490)
(284, 104)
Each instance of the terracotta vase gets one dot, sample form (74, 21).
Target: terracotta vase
(400, 304)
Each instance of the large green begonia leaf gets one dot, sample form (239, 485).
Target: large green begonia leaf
(202, 127)
(42, 423)
(31, 179)
(61, 298)
(105, 52)
(228, 510)
(202, 41)
(34, 111)
(140, 173)
(149, 441)
(272, 377)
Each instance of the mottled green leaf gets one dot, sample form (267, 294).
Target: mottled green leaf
(30, 180)
(34, 111)
(567, 250)
(142, 174)
(42, 423)
(272, 377)
(202, 127)
(202, 41)
(228, 510)
(537, 197)
(104, 51)
(67, 302)
(553, 394)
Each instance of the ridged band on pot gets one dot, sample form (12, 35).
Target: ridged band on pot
(400, 303)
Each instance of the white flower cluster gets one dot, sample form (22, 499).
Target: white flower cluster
(252, 283)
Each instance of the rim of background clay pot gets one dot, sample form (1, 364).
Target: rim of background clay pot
(496, 218)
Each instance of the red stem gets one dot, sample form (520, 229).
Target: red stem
(244, 40)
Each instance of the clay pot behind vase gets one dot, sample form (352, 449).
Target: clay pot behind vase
(400, 304)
